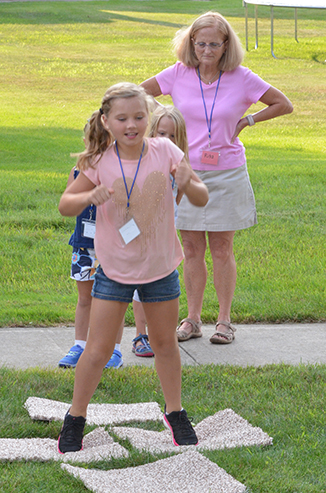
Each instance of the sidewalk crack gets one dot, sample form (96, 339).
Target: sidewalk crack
(188, 354)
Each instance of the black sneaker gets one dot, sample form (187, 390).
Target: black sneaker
(71, 435)
(182, 431)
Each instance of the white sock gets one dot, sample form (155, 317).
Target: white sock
(80, 343)
(117, 347)
(174, 411)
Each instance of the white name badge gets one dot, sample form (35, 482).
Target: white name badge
(129, 231)
(88, 227)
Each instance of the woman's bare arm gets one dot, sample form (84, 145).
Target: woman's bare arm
(152, 87)
(277, 104)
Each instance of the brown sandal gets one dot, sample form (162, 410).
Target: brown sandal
(223, 337)
(195, 330)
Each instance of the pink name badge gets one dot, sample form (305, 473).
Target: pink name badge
(210, 157)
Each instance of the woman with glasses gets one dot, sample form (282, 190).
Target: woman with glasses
(213, 91)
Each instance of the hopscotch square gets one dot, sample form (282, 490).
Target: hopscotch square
(225, 429)
(187, 471)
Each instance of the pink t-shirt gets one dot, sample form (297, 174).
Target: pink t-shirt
(156, 252)
(238, 90)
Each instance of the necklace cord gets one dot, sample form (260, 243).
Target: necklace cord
(123, 175)
(209, 123)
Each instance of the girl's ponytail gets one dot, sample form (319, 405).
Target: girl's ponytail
(98, 140)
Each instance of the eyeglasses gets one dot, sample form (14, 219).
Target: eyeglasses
(212, 46)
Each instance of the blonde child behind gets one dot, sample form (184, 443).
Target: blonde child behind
(167, 121)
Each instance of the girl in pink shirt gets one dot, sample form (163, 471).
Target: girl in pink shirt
(127, 177)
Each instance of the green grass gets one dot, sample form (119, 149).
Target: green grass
(58, 58)
(286, 402)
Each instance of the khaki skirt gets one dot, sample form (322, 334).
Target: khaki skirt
(231, 205)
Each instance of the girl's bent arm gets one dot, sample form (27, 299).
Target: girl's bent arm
(197, 193)
(80, 194)
(189, 183)
(76, 197)
(71, 177)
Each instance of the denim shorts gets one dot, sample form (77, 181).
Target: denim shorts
(83, 264)
(165, 289)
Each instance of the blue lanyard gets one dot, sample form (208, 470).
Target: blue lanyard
(123, 175)
(209, 123)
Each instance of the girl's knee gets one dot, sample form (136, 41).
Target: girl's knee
(84, 301)
(97, 356)
(84, 292)
(164, 345)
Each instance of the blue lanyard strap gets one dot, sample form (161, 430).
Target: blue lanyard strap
(209, 123)
(123, 175)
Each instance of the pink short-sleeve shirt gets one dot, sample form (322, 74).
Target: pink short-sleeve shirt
(157, 251)
(238, 90)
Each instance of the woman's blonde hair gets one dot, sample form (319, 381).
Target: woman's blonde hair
(98, 139)
(180, 132)
(183, 42)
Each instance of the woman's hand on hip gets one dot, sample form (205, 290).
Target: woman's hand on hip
(242, 123)
(277, 104)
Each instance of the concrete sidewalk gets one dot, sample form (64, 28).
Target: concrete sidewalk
(254, 345)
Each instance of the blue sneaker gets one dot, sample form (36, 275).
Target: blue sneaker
(71, 359)
(115, 360)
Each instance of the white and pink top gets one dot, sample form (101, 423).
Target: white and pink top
(157, 251)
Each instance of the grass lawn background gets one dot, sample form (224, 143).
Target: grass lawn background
(57, 59)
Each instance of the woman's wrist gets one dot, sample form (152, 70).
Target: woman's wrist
(250, 120)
